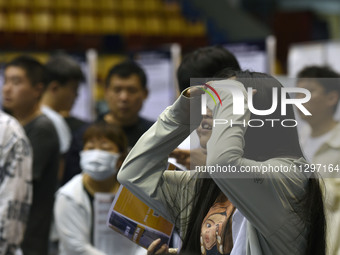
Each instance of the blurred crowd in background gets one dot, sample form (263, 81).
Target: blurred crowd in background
(84, 79)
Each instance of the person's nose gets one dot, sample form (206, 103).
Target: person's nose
(124, 95)
(6, 88)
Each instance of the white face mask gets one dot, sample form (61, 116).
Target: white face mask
(99, 164)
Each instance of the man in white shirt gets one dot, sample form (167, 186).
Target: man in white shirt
(63, 78)
(322, 144)
(63, 75)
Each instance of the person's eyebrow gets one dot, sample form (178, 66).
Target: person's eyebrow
(13, 77)
(210, 220)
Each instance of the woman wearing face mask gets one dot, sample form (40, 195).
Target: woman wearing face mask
(105, 147)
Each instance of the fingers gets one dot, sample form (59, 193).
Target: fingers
(163, 250)
(175, 153)
(181, 156)
(179, 153)
(172, 250)
(187, 163)
(153, 246)
(194, 91)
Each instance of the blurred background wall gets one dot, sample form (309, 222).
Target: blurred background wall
(274, 36)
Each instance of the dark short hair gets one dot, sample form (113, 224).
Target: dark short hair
(205, 63)
(124, 70)
(34, 70)
(324, 75)
(109, 131)
(62, 68)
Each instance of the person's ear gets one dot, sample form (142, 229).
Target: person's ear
(53, 86)
(119, 163)
(106, 93)
(146, 93)
(333, 98)
(39, 90)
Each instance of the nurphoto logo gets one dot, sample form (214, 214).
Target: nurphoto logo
(238, 101)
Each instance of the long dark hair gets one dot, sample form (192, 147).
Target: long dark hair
(279, 142)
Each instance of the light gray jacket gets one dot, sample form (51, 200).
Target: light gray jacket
(271, 228)
(73, 219)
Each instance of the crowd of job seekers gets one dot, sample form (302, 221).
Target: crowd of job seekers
(52, 164)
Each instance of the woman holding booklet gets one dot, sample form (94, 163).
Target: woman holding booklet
(231, 213)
